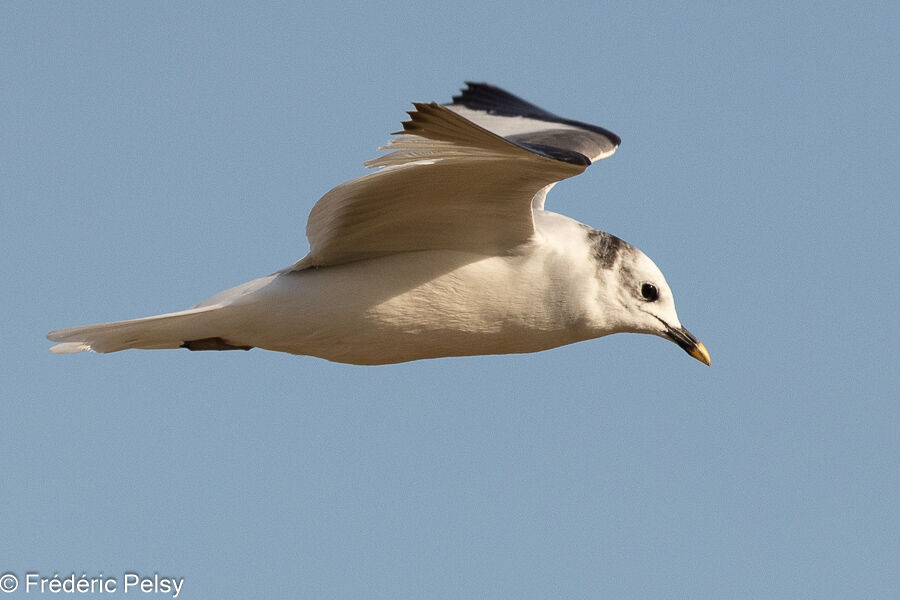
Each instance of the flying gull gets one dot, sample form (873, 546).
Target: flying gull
(444, 250)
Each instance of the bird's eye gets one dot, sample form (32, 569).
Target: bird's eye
(649, 292)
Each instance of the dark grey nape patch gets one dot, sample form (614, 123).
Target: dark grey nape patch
(213, 343)
(497, 101)
(605, 247)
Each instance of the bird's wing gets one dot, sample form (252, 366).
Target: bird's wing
(452, 184)
(518, 120)
(511, 117)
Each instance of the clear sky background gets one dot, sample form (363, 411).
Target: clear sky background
(152, 154)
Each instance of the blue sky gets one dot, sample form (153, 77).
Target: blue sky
(155, 153)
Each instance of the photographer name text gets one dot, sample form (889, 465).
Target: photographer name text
(128, 583)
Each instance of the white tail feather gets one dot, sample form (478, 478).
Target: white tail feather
(161, 331)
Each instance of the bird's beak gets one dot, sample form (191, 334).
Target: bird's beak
(689, 343)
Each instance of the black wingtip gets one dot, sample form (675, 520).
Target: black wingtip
(497, 101)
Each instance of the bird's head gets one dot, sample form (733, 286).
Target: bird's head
(636, 296)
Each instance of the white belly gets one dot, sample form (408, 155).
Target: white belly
(410, 306)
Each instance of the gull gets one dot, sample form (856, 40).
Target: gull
(445, 250)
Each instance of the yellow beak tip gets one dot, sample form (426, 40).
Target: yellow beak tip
(701, 353)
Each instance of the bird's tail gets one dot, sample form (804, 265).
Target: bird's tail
(195, 328)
